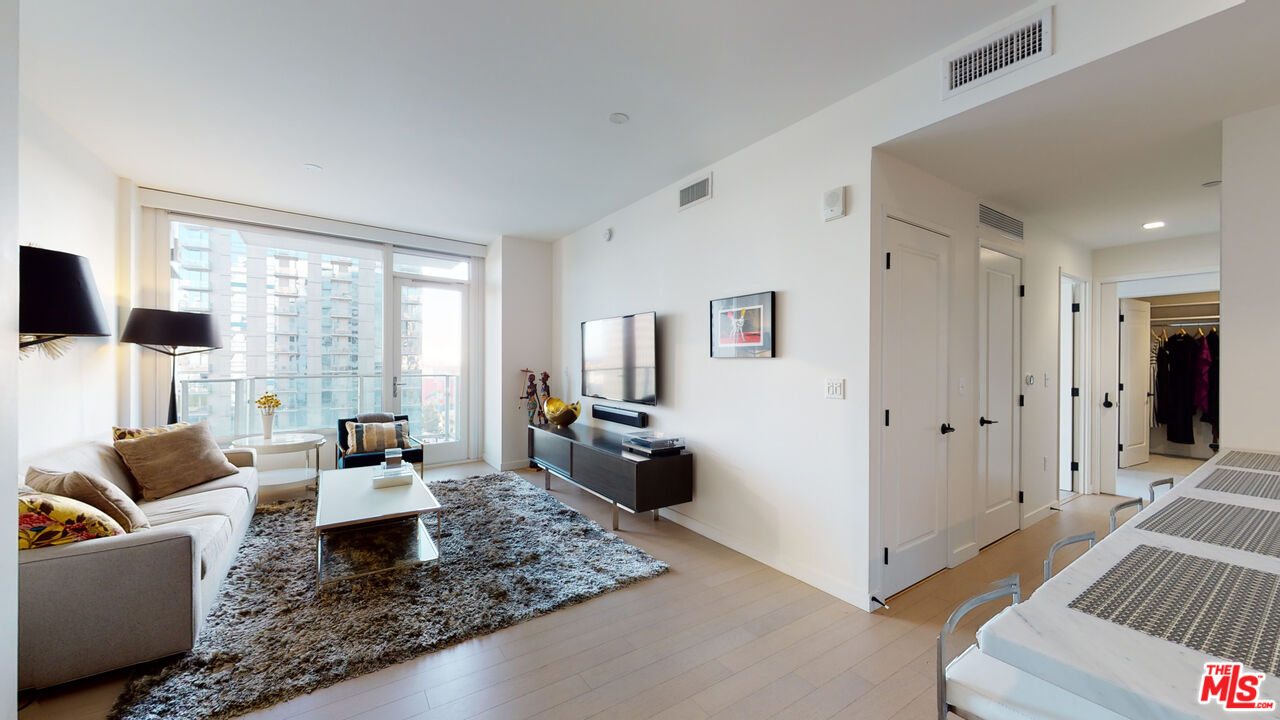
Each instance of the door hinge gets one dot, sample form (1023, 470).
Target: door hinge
(886, 418)
(1075, 392)
(1022, 291)
(888, 260)
(1121, 387)
(1075, 307)
(1022, 400)
(1121, 447)
(886, 556)
(1121, 317)
(1075, 466)
(1021, 497)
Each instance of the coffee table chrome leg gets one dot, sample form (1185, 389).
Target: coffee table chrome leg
(655, 515)
(546, 479)
(615, 516)
(319, 561)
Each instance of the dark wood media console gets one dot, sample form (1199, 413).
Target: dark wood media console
(596, 461)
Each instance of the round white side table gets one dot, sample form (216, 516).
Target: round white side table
(278, 444)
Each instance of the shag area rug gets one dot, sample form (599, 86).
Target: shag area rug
(510, 552)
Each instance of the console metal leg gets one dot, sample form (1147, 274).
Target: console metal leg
(546, 479)
(655, 515)
(615, 516)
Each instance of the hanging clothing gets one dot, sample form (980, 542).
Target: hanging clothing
(1202, 362)
(1181, 364)
(1210, 415)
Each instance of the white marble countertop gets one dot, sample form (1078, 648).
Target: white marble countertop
(1124, 670)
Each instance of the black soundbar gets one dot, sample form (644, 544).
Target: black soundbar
(623, 416)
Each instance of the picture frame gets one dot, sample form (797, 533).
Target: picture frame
(742, 326)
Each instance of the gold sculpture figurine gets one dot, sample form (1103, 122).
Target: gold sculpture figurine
(561, 413)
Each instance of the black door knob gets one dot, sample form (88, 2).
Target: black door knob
(1106, 400)
(984, 422)
(947, 429)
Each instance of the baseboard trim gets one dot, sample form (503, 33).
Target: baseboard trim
(858, 597)
(1036, 515)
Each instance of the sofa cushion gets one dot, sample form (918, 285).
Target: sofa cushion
(91, 490)
(93, 458)
(166, 463)
(229, 502)
(246, 480)
(213, 537)
(45, 520)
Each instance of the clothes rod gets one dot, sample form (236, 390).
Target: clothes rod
(1190, 324)
(1186, 304)
(1185, 318)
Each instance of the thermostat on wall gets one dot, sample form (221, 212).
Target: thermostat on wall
(833, 204)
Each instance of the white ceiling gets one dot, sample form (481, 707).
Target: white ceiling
(464, 119)
(1096, 152)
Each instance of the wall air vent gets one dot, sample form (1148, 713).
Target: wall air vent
(997, 220)
(1000, 54)
(695, 192)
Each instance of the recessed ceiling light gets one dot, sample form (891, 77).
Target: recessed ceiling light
(1154, 225)
(619, 118)
(312, 167)
(1211, 184)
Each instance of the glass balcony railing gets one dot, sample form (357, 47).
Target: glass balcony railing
(314, 403)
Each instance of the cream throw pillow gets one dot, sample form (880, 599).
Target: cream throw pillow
(176, 460)
(91, 490)
(376, 437)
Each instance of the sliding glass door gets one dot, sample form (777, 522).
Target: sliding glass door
(430, 380)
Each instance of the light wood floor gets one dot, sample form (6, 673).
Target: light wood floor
(719, 636)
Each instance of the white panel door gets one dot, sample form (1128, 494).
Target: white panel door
(431, 380)
(1135, 382)
(999, 368)
(913, 483)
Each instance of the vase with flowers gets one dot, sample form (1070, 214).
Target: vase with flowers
(267, 405)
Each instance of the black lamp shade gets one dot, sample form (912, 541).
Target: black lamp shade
(147, 326)
(57, 295)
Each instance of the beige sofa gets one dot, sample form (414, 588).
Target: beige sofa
(97, 605)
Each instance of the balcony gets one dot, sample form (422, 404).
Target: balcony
(430, 401)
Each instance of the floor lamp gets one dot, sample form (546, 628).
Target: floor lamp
(168, 332)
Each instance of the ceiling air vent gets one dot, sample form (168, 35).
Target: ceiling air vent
(697, 191)
(997, 220)
(1000, 54)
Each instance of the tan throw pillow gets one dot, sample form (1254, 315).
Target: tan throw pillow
(176, 460)
(91, 490)
(376, 437)
(119, 433)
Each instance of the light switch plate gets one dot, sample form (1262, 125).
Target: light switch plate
(835, 388)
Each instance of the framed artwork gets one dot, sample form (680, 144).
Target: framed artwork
(742, 326)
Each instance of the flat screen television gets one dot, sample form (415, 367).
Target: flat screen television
(620, 359)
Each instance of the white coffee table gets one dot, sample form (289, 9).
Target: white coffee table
(279, 444)
(361, 530)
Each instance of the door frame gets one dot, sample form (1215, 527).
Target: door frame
(1017, 420)
(1105, 353)
(472, 374)
(1082, 378)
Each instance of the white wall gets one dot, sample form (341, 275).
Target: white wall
(782, 474)
(1250, 386)
(67, 202)
(8, 360)
(518, 278)
(1176, 256)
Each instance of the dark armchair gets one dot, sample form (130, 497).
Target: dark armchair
(344, 458)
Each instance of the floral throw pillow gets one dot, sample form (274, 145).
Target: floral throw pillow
(45, 520)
